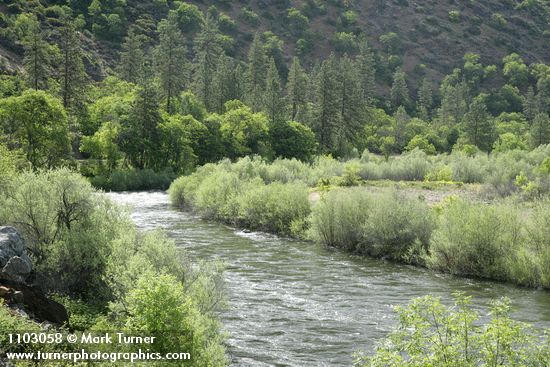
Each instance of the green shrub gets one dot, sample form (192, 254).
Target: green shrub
(397, 228)
(134, 180)
(68, 228)
(380, 225)
(274, 207)
(475, 239)
(432, 334)
(337, 219)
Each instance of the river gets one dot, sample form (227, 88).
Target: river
(293, 303)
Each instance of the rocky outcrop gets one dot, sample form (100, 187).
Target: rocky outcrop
(15, 264)
(15, 268)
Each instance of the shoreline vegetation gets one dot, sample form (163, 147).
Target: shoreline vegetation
(499, 233)
(88, 255)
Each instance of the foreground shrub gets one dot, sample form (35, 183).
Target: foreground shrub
(67, 227)
(431, 334)
(380, 225)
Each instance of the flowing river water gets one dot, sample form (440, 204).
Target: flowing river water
(294, 303)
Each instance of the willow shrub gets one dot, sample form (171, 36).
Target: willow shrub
(381, 225)
(431, 334)
(238, 196)
(476, 239)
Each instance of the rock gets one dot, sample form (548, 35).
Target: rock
(34, 302)
(15, 264)
(4, 291)
(18, 297)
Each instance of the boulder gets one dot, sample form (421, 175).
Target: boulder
(33, 302)
(15, 264)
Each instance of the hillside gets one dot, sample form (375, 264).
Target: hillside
(424, 36)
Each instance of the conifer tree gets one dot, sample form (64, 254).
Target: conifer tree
(425, 100)
(255, 75)
(132, 57)
(530, 105)
(38, 53)
(399, 130)
(274, 104)
(540, 130)
(170, 60)
(208, 51)
(73, 76)
(367, 71)
(399, 90)
(296, 88)
(478, 124)
(326, 107)
(140, 136)
(350, 99)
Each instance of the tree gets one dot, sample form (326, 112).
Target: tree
(296, 88)
(140, 137)
(530, 106)
(274, 104)
(170, 60)
(255, 75)
(176, 143)
(37, 123)
(425, 100)
(453, 101)
(400, 128)
(326, 105)
(38, 53)
(540, 130)
(515, 70)
(351, 102)
(367, 71)
(73, 75)
(208, 51)
(132, 57)
(293, 140)
(399, 90)
(479, 126)
(244, 131)
(228, 82)
(103, 144)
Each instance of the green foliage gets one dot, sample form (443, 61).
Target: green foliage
(133, 180)
(67, 227)
(243, 131)
(36, 122)
(432, 334)
(380, 225)
(189, 17)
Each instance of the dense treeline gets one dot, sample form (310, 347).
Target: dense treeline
(169, 107)
(506, 240)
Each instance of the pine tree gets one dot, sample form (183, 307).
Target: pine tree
(540, 130)
(530, 105)
(37, 60)
(132, 57)
(367, 72)
(327, 107)
(350, 99)
(399, 90)
(425, 100)
(140, 136)
(453, 102)
(478, 125)
(399, 130)
(274, 104)
(296, 88)
(170, 60)
(255, 75)
(73, 75)
(208, 51)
